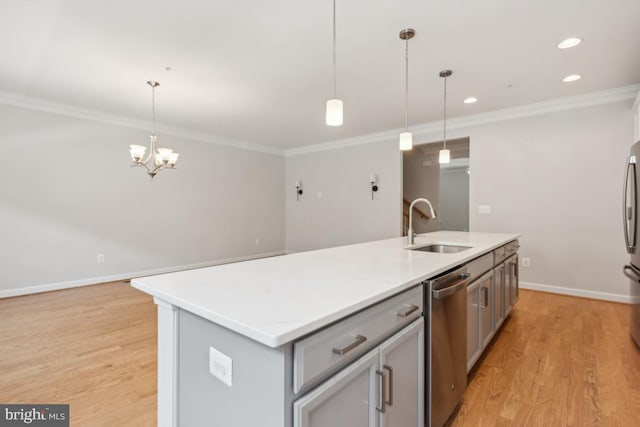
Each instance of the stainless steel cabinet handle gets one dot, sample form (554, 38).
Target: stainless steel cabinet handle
(390, 369)
(485, 297)
(342, 351)
(408, 311)
(628, 212)
(383, 406)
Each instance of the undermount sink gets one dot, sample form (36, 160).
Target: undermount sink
(442, 249)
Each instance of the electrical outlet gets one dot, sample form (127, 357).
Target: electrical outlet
(100, 258)
(220, 366)
(484, 209)
(526, 262)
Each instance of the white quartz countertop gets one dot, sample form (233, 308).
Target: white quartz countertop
(277, 300)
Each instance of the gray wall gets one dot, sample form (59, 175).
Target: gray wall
(454, 199)
(345, 212)
(67, 193)
(555, 178)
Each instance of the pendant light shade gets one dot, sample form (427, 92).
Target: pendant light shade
(334, 112)
(406, 138)
(333, 116)
(445, 155)
(406, 141)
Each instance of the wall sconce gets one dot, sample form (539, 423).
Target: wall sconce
(299, 191)
(374, 184)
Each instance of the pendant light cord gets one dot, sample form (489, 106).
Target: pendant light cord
(445, 113)
(335, 73)
(406, 84)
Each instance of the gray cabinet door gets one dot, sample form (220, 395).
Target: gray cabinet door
(498, 296)
(473, 324)
(402, 361)
(485, 304)
(515, 280)
(347, 399)
(511, 282)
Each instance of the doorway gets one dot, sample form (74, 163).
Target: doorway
(446, 186)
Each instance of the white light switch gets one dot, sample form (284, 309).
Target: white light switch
(220, 366)
(484, 209)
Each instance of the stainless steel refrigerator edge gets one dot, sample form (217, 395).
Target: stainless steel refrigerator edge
(446, 332)
(630, 225)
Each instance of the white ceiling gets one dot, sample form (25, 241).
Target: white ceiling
(260, 71)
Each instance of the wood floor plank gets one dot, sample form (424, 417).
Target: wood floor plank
(92, 347)
(558, 361)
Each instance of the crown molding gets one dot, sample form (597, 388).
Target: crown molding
(559, 104)
(42, 105)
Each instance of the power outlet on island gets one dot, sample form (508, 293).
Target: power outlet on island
(220, 366)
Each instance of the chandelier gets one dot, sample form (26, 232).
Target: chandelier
(157, 158)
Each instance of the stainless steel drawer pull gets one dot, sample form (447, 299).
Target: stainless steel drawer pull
(390, 369)
(408, 311)
(383, 387)
(342, 351)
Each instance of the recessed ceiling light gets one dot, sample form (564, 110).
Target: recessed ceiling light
(569, 42)
(572, 78)
(470, 100)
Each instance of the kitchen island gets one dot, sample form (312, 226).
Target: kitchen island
(227, 335)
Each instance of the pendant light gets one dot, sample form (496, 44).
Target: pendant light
(445, 155)
(333, 115)
(157, 158)
(406, 138)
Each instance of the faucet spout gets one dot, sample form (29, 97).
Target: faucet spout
(410, 230)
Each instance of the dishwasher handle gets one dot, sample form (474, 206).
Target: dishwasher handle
(453, 288)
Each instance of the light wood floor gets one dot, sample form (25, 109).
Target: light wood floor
(92, 347)
(558, 361)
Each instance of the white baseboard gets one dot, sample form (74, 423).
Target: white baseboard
(576, 292)
(6, 293)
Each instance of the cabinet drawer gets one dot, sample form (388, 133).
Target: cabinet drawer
(511, 248)
(327, 350)
(480, 265)
(499, 255)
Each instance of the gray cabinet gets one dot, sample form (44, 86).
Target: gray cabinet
(347, 399)
(490, 298)
(382, 388)
(402, 360)
(511, 283)
(485, 308)
(473, 324)
(498, 296)
(480, 326)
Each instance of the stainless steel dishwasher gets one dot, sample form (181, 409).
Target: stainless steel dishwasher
(446, 332)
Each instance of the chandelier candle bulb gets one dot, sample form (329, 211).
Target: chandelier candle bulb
(137, 152)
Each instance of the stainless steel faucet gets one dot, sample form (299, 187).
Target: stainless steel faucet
(410, 234)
